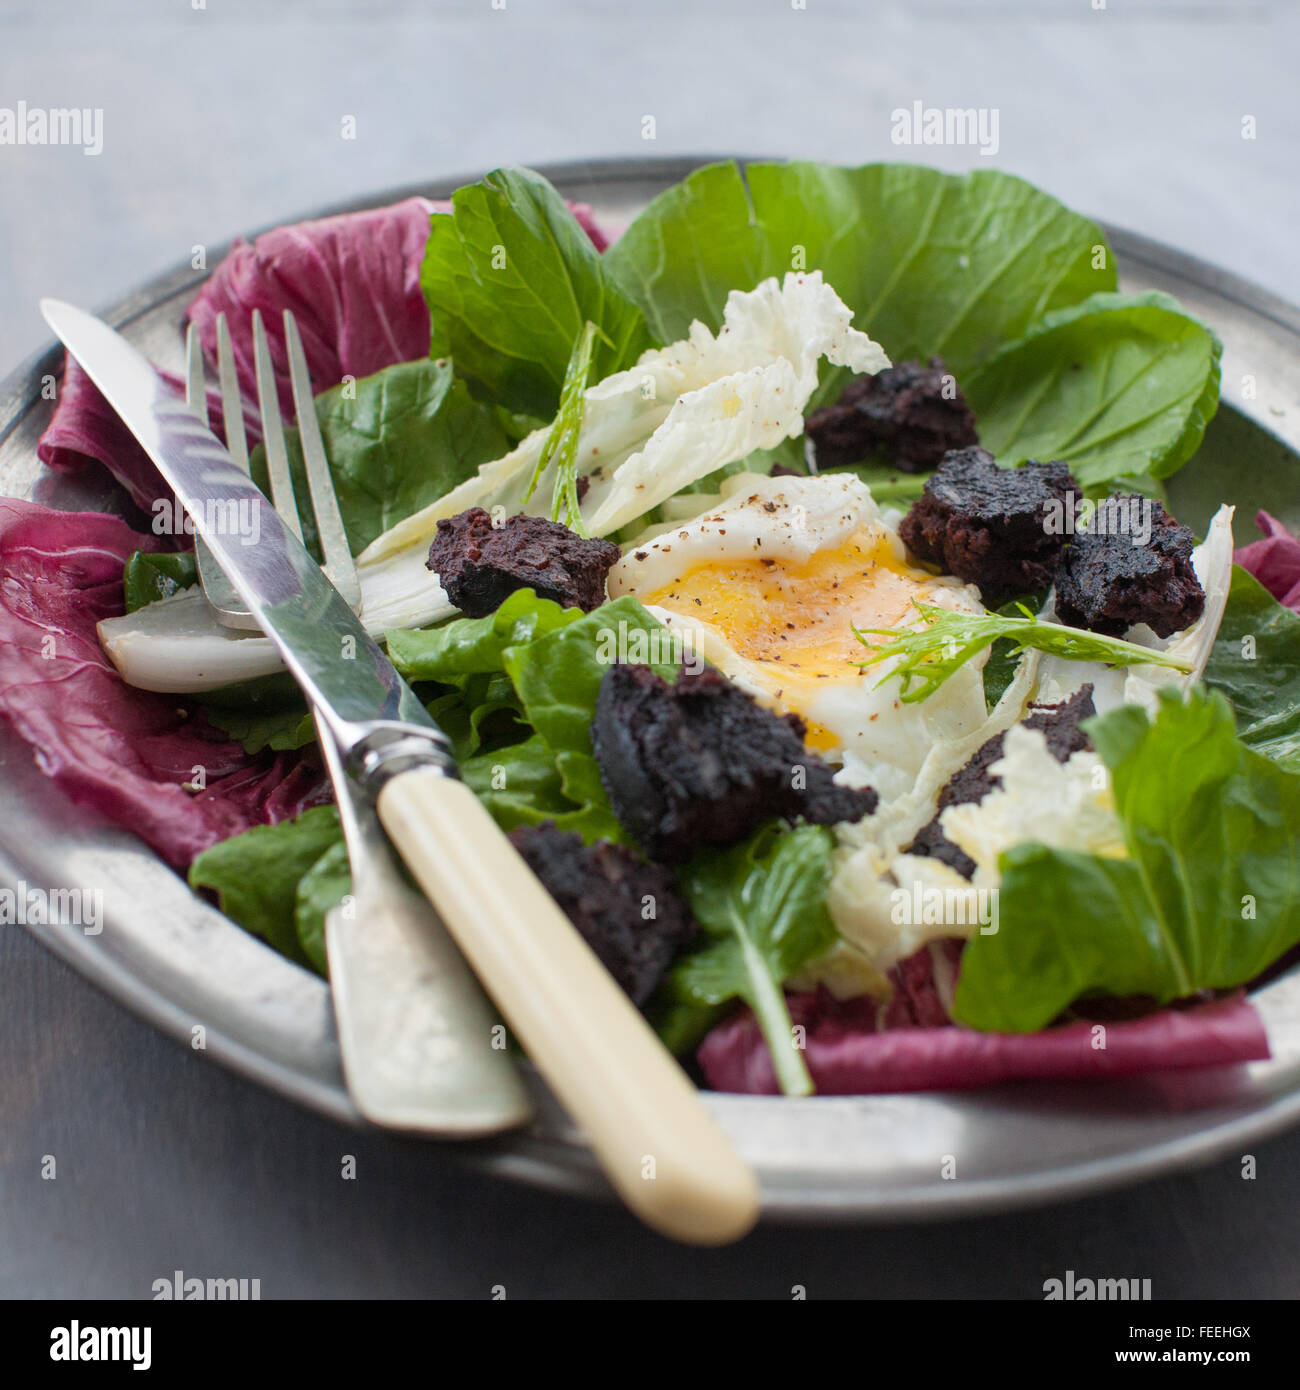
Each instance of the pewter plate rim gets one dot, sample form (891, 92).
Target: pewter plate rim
(175, 961)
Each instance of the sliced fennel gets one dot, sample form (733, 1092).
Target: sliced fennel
(681, 413)
(178, 647)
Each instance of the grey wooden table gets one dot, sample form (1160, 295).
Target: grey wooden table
(225, 115)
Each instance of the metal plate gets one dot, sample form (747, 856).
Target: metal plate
(177, 962)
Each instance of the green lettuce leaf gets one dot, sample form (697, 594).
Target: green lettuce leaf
(558, 677)
(280, 730)
(520, 785)
(467, 647)
(149, 577)
(256, 875)
(1117, 385)
(1207, 899)
(483, 712)
(929, 262)
(1011, 288)
(689, 248)
(481, 707)
(763, 903)
(553, 659)
(395, 441)
(267, 712)
(1256, 664)
(319, 891)
(510, 279)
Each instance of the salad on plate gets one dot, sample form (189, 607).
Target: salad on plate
(794, 573)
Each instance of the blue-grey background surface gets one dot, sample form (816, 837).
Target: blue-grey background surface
(225, 115)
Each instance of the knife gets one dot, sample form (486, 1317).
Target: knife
(656, 1142)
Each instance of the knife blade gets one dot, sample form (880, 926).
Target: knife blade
(660, 1148)
(337, 663)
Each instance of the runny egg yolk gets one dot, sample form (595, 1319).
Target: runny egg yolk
(794, 622)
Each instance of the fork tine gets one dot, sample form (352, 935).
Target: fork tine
(232, 402)
(335, 551)
(229, 608)
(277, 455)
(196, 387)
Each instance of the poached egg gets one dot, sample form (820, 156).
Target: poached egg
(769, 583)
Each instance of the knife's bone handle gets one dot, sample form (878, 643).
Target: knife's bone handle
(656, 1142)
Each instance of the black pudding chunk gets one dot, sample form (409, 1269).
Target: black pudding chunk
(1109, 579)
(1000, 528)
(1058, 723)
(480, 565)
(903, 411)
(628, 911)
(699, 762)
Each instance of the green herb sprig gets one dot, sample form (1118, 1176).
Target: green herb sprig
(932, 654)
(562, 442)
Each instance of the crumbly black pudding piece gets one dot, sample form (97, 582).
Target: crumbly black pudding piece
(1058, 723)
(902, 411)
(604, 890)
(1107, 582)
(480, 565)
(992, 526)
(700, 762)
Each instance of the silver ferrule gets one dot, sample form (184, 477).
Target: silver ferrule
(388, 750)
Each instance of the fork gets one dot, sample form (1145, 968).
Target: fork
(228, 607)
(415, 1030)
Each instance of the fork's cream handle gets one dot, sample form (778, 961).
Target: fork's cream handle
(658, 1145)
